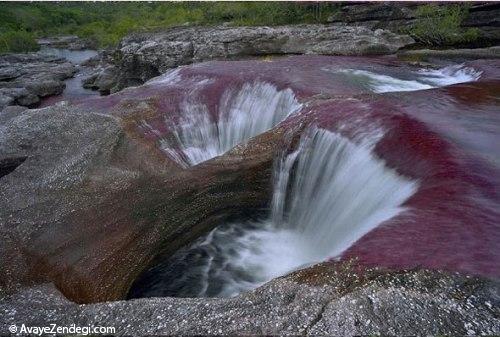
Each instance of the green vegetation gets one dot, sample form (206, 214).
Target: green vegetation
(105, 23)
(440, 26)
(17, 41)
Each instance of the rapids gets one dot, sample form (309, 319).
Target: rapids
(380, 173)
(420, 80)
(256, 107)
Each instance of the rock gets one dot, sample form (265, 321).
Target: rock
(103, 80)
(25, 78)
(21, 96)
(146, 55)
(321, 300)
(116, 196)
(104, 73)
(483, 15)
(12, 110)
(382, 11)
(71, 42)
(396, 17)
(9, 73)
(91, 194)
(455, 54)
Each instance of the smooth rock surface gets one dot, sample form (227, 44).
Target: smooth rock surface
(90, 201)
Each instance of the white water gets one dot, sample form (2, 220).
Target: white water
(327, 194)
(422, 79)
(242, 114)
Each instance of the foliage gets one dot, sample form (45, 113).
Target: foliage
(106, 23)
(440, 25)
(17, 42)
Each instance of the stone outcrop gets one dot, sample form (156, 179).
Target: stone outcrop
(25, 78)
(86, 203)
(145, 55)
(451, 54)
(71, 42)
(322, 300)
(102, 79)
(396, 17)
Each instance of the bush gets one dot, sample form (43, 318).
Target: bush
(17, 42)
(106, 23)
(440, 26)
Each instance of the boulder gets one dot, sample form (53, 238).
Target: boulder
(25, 78)
(102, 80)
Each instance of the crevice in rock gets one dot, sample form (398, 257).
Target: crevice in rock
(8, 165)
(316, 319)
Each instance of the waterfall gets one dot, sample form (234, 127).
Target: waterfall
(241, 115)
(339, 191)
(327, 194)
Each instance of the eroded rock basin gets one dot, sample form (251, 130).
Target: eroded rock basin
(341, 157)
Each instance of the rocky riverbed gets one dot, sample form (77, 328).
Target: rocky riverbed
(26, 78)
(96, 193)
(323, 300)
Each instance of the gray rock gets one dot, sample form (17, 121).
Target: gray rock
(381, 11)
(398, 16)
(316, 301)
(146, 55)
(71, 42)
(483, 15)
(455, 54)
(103, 80)
(25, 78)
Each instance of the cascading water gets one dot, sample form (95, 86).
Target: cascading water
(419, 80)
(254, 109)
(327, 194)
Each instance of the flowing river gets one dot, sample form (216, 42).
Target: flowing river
(329, 191)
(74, 89)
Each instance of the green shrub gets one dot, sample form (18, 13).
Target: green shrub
(440, 26)
(17, 42)
(106, 23)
